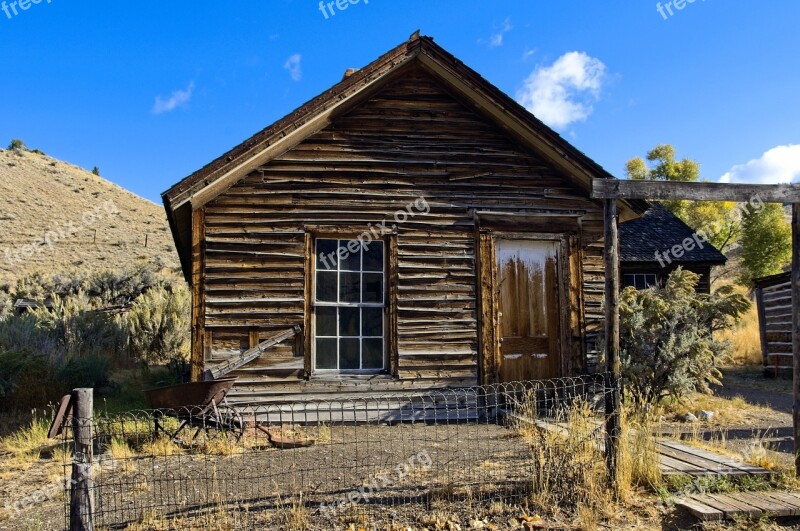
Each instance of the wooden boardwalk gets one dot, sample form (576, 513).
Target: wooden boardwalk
(677, 458)
(709, 507)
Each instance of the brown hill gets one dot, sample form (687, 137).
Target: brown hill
(57, 218)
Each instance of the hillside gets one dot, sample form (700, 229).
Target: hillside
(56, 217)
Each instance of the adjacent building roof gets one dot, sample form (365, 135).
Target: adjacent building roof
(218, 176)
(658, 231)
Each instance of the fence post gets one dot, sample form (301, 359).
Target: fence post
(81, 507)
(612, 391)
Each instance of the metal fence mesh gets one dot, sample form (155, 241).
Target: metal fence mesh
(326, 464)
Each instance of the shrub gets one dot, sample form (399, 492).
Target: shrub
(668, 347)
(122, 287)
(159, 327)
(16, 145)
(6, 303)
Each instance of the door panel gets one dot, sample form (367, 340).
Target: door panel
(528, 309)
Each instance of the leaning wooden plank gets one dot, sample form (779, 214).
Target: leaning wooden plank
(246, 357)
(709, 466)
(700, 510)
(741, 465)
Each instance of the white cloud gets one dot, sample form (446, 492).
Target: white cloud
(292, 64)
(778, 165)
(176, 99)
(562, 93)
(496, 39)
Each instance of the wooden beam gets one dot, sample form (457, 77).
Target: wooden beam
(796, 330)
(613, 368)
(198, 354)
(668, 190)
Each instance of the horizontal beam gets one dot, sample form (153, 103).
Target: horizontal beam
(663, 190)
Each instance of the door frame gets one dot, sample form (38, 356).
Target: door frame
(489, 337)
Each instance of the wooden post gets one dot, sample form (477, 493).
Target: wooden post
(613, 426)
(198, 296)
(796, 331)
(81, 509)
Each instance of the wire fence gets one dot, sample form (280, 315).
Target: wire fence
(380, 461)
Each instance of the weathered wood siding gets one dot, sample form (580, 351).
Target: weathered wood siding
(774, 299)
(411, 140)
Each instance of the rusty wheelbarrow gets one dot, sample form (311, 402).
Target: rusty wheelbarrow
(197, 405)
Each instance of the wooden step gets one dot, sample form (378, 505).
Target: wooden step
(710, 507)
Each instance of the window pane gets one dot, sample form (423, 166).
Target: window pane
(373, 287)
(373, 257)
(351, 260)
(326, 321)
(326, 255)
(326, 354)
(640, 283)
(326, 286)
(373, 322)
(628, 280)
(349, 287)
(349, 354)
(650, 280)
(349, 322)
(373, 353)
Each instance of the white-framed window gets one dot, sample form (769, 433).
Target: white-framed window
(349, 304)
(640, 280)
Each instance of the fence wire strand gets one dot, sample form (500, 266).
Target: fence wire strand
(364, 460)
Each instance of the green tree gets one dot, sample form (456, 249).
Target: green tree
(667, 340)
(664, 167)
(716, 219)
(96, 171)
(766, 242)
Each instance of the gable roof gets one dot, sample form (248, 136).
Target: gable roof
(658, 230)
(209, 182)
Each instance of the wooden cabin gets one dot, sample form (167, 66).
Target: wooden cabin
(654, 245)
(774, 302)
(411, 228)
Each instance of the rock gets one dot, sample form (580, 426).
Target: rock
(689, 417)
(706, 415)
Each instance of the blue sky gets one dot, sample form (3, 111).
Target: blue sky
(150, 91)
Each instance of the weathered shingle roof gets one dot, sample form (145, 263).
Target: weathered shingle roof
(659, 230)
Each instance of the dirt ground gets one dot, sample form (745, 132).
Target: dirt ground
(404, 477)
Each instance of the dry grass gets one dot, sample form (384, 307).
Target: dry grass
(745, 340)
(728, 411)
(569, 471)
(30, 441)
(639, 459)
(39, 193)
(221, 447)
(161, 447)
(293, 514)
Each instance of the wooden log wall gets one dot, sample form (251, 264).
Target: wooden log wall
(774, 299)
(411, 140)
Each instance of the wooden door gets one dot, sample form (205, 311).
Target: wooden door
(528, 309)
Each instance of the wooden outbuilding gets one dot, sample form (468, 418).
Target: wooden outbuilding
(654, 245)
(774, 300)
(411, 228)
